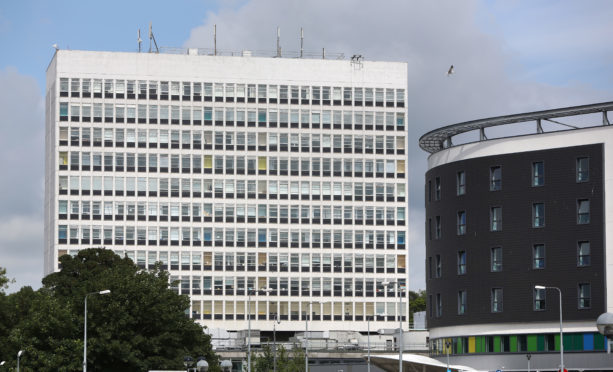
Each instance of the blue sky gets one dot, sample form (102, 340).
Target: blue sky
(509, 57)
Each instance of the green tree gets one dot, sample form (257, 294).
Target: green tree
(287, 361)
(4, 280)
(141, 325)
(417, 302)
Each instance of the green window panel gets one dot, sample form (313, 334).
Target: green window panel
(599, 342)
(513, 341)
(479, 344)
(458, 346)
(532, 343)
(496, 344)
(557, 342)
(540, 343)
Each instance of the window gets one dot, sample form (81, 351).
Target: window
(496, 300)
(496, 219)
(538, 173)
(539, 299)
(439, 305)
(583, 169)
(583, 253)
(461, 183)
(461, 302)
(538, 215)
(583, 211)
(437, 188)
(461, 223)
(438, 231)
(584, 296)
(461, 262)
(496, 259)
(495, 178)
(439, 266)
(538, 256)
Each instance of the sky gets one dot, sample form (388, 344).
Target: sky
(509, 57)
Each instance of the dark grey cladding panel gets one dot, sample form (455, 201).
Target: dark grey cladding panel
(560, 236)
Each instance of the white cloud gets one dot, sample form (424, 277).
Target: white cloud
(430, 36)
(22, 170)
(21, 249)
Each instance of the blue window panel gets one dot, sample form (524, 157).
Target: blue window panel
(588, 341)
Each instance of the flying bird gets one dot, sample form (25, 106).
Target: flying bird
(450, 71)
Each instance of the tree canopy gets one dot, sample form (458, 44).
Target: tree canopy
(140, 325)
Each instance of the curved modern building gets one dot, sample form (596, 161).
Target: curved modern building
(505, 215)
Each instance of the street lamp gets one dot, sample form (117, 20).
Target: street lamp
(447, 346)
(226, 365)
(400, 338)
(19, 354)
(528, 356)
(103, 292)
(306, 335)
(274, 341)
(249, 292)
(561, 332)
(188, 361)
(2, 363)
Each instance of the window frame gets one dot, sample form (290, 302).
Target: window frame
(542, 300)
(461, 183)
(462, 263)
(580, 172)
(496, 265)
(580, 256)
(495, 184)
(580, 221)
(581, 300)
(498, 221)
(538, 221)
(462, 301)
(538, 179)
(461, 223)
(494, 300)
(543, 258)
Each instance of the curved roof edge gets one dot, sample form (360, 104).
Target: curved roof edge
(440, 139)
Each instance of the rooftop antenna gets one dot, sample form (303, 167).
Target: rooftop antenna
(278, 42)
(301, 41)
(151, 37)
(139, 40)
(215, 38)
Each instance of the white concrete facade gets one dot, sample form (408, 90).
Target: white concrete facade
(135, 218)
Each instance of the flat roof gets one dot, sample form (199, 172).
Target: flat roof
(441, 138)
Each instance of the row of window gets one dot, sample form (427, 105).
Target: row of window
(230, 164)
(230, 188)
(582, 174)
(263, 309)
(496, 300)
(239, 141)
(518, 343)
(230, 117)
(230, 236)
(273, 262)
(538, 218)
(538, 259)
(252, 93)
(251, 213)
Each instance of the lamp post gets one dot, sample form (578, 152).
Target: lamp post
(306, 335)
(2, 363)
(528, 356)
(561, 332)
(368, 318)
(400, 338)
(274, 341)
(19, 354)
(447, 346)
(106, 291)
(249, 291)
